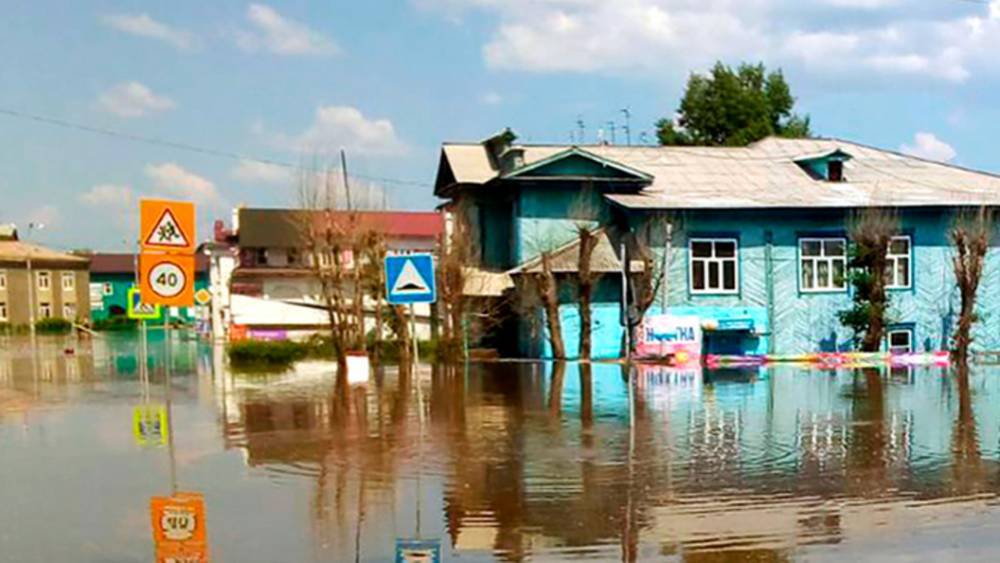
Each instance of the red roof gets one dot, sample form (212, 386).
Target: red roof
(124, 263)
(401, 224)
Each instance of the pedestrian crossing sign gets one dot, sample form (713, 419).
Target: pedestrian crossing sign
(139, 310)
(409, 278)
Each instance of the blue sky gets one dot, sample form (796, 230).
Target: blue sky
(295, 81)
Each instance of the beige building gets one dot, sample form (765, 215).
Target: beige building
(60, 282)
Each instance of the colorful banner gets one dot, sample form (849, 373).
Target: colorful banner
(669, 337)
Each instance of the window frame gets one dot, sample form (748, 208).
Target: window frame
(735, 259)
(67, 276)
(3, 311)
(822, 257)
(69, 311)
(894, 258)
(47, 276)
(44, 310)
(908, 331)
(3, 279)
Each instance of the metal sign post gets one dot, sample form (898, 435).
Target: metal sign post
(409, 279)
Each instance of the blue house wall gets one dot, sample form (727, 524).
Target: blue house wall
(785, 319)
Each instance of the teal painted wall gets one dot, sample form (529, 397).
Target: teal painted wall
(786, 319)
(544, 218)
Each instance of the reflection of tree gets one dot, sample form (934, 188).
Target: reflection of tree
(968, 472)
(867, 455)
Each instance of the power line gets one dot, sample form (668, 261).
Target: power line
(218, 153)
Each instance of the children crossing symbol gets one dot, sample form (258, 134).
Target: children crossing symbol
(167, 232)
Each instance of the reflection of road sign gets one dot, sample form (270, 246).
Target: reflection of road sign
(179, 527)
(138, 309)
(202, 296)
(167, 226)
(96, 296)
(149, 425)
(167, 279)
(418, 550)
(410, 279)
(184, 554)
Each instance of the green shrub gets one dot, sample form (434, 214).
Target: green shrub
(267, 353)
(116, 324)
(53, 326)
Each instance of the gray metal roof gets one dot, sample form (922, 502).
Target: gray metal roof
(764, 175)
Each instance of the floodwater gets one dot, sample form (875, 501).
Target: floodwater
(508, 461)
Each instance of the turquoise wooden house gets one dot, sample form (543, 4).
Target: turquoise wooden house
(754, 240)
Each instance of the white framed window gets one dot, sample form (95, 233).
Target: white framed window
(69, 311)
(44, 280)
(713, 265)
(45, 310)
(3, 279)
(261, 257)
(899, 263)
(822, 264)
(900, 341)
(68, 281)
(3, 311)
(325, 259)
(107, 288)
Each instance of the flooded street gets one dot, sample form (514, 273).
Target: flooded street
(504, 461)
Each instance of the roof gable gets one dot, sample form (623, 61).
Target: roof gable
(578, 163)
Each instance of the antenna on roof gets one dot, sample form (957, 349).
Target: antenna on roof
(627, 127)
(611, 126)
(579, 126)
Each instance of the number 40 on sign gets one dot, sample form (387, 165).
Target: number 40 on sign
(167, 279)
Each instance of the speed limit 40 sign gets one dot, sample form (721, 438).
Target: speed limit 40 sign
(167, 279)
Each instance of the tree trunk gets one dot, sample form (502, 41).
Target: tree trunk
(586, 290)
(549, 293)
(879, 302)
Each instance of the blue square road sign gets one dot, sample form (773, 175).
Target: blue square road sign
(409, 278)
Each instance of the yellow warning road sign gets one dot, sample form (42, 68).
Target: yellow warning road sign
(167, 226)
(166, 279)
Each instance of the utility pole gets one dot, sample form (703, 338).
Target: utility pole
(628, 128)
(347, 185)
(31, 281)
(579, 126)
(611, 127)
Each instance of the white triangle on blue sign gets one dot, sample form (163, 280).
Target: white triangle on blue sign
(410, 281)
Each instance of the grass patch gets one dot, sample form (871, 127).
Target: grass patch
(116, 324)
(53, 326)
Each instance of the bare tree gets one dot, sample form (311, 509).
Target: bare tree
(586, 213)
(644, 281)
(548, 292)
(586, 279)
(970, 236)
(454, 257)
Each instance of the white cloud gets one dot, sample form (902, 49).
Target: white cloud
(132, 99)
(253, 172)
(656, 36)
(277, 34)
(171, 180)
(336, 127)
(144, 26)
(927, 145)
(492, 98)
(107, 195)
